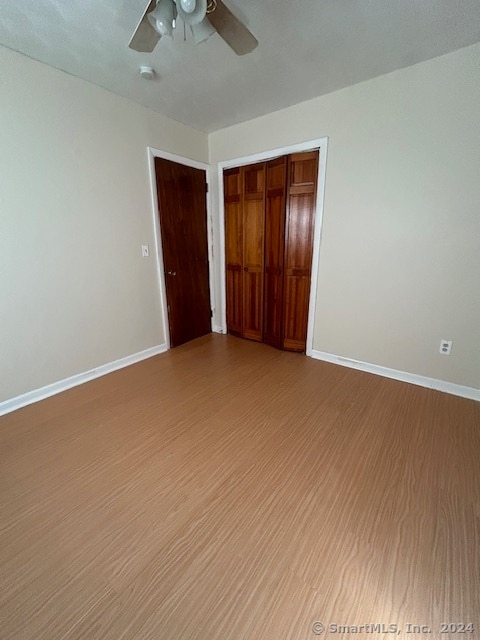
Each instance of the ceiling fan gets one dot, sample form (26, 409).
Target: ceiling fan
(204, 17)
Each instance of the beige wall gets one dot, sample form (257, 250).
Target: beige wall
(400, 253)
(75, 292)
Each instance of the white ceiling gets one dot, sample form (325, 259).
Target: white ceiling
(307, 48)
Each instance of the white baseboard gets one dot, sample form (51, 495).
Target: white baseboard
(217, 329)
(403, 376)
(62, 385)
(80, 378)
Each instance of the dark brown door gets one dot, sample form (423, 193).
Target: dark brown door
(183, 220)
(300, 210)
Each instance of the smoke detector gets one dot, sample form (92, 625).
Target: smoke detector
(147, 72)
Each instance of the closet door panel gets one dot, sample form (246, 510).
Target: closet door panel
(253, 219)
(298, 250)
(300, 210)
(234, 233)
(276, 173)
(253, 222)
(252, 311)
(253, 250)
(235, 300)
(232, 183)
(296, 297)
(303, 169)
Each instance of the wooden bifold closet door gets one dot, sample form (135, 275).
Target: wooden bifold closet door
(244, 238)
(276, 175)
(269, 214)
(300, 211)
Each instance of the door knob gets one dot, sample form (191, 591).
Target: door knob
(171, 273)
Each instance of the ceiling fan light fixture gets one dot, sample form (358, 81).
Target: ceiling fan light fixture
(188, 5)
(159, 16)
(195, 15)
(162, 18)
(202, 31)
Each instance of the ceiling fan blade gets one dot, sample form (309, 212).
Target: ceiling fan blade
(145, 37)
(234, 32)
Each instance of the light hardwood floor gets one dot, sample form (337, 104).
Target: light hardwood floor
(227, 490)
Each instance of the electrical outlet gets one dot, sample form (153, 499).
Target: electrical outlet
(145, 251)
(445, 347)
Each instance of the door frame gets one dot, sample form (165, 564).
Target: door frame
(153, 153)
(311, 145)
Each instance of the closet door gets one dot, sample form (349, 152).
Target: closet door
(300, 210)
(233, 186)
(276, 176)
(253, 250)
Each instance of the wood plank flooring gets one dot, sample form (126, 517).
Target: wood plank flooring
(227, 490)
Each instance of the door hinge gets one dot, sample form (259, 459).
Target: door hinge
(206, 187)
(211, 313)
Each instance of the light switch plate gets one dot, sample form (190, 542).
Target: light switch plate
(145, 251)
